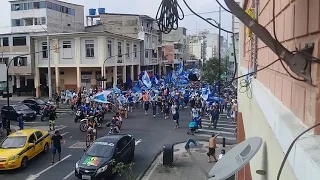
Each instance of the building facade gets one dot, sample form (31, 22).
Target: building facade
(83, 58)
(137, 26)
(281, 107)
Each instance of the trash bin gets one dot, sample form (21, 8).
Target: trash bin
(167, 155)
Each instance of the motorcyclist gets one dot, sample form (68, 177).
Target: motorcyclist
(115, 123)
(91, 133)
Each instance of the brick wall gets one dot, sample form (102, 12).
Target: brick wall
(297, 23)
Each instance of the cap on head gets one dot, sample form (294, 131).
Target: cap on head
(212, 135)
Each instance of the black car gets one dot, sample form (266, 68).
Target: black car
(13, 111)
(95, 163)
(35, 104)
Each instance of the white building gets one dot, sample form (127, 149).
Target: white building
(84, 57)
(46, 16)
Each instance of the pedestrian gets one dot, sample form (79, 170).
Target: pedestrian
(175, 113)
(20, 121)
(212, 148)
(57, 98)
(5, 124)
(56, 141)
(52, 118)
(154, 107)
(228, 109)
(1, 127)
(214, 116)
(145, 99)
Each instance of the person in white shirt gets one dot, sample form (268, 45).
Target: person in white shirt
(223, 152)
(87, 100)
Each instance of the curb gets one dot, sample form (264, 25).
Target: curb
(157, 157)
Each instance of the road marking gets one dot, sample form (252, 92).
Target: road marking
(138, 141)
(67, 176)
(63, 134)
(33, 177)
(70, 137)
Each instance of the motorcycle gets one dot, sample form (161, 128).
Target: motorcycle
(84, 124)
(79, 115)
(113, 129)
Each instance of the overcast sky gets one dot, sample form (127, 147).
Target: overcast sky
(148, 7)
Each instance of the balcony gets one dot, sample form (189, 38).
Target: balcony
(178, 51)
(154, 60)
(120, 60)
(21, 70)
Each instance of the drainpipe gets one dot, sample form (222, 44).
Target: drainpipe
(255, 38)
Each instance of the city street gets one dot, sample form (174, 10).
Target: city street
(150, 134)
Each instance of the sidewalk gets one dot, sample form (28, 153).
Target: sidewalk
(183, 166)
(21, 98)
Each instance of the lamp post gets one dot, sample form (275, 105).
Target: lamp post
(219, 49)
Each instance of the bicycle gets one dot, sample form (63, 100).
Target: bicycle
(91, 136)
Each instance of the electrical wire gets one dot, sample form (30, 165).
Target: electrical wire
(168, 16)
(223, 7)
(290, 148)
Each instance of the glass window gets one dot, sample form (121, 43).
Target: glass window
(146, 54)
(43, 20)
(28, 21)
(19, 41)
(39, 134)
(32, 139)
(66, 44)
(21, 61)
(58, 8)
(4, 60)
(5, 41)
(44, 50)
(135, 49)
(100, 149)
(49, 5)
(13, 142)
(17, 22)
(16, 7)
(20, 107)
(42, 4)
(54, 6)
(40, 101)
(109, 48)
(71, 12)
(36, 5)
(128, 50)
(89, 46)
(119, 49)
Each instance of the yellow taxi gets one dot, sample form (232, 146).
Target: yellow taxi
(19, 147)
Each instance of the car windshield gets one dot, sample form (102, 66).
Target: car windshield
(101, 149)
(13, 142)
(40, 101)
(20, 107)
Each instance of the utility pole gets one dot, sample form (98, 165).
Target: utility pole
(255, 39)
(219, 49)
(49, 68)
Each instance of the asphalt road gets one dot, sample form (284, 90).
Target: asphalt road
(152, 134)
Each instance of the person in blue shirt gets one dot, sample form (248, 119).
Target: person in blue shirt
(192, 127)
(20, 121)
(214, 116)
(130, 101)
(86, 109)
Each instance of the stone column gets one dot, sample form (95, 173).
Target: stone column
(78, 79)
(57, 70)
(115, 75)
(124, 73)
(132, 72)
(18, 85)
(138, 71)
(37, 82)
(94, 79)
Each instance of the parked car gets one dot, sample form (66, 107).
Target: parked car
(95, 162)
(13, 111)
(35, 104)
(20, 147)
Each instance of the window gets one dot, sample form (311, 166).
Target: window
(89, 44)
(17, 22)
(4, 60)
(43, 20)
(42, 4)
(71, 12)
(28, 21)
(146, 54)
(39, 134)
(19, 41)
(231, 54)
(36, 5)
(44, 50)
(28, 6)
(109, 48)
(67, 51)
(22, 61)
(119, 49)
(32, 139)
(37, 21)
(54, 7)
(59, 8)
(128, 50)
(135, 49)
(5, 41)
(16, 7)
(49, 5)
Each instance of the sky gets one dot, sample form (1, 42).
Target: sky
(147, 7)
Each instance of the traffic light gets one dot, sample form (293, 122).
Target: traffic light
(55, 48)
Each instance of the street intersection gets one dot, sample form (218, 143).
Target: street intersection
(150, 134)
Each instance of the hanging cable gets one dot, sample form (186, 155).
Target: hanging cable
(223, 7)
(168, 16)
(290, 148)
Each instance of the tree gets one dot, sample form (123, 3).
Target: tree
(210, 70)
(122, 169)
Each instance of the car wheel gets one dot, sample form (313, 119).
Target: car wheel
(131, 157)
(24, 163)
(46, 148)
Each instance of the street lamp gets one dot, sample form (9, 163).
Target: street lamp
(219, 49)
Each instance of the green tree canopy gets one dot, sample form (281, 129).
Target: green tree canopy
(210, 70)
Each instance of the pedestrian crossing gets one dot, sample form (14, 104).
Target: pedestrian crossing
(61, 128)
(225, 127)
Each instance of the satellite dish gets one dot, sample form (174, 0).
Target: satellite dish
(235, 159)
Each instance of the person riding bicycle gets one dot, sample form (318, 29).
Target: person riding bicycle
(91, 132)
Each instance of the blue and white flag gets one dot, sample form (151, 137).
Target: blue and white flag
(179, 69)
(205, 93)
(146, 79)
(101, 97)
(115, 89)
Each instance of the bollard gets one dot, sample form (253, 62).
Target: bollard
(224, 142)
